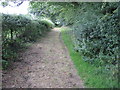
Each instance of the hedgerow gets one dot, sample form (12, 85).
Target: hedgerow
(95, 33)
(96, 36)
(16, 31)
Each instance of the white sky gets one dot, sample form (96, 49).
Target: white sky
(22, 9)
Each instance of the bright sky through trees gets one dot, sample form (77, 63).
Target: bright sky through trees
(22, 9)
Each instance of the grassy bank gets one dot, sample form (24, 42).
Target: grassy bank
(88, 73)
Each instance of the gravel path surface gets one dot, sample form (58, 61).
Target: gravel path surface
(46, 64)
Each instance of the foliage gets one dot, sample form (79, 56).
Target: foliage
(95, 33)
(45, 9)
(92, 76)
(4, 64)
(48, 22)
(5, 3)
(96, 37)
(17, 30)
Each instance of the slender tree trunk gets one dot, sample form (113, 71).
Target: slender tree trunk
(11, 34)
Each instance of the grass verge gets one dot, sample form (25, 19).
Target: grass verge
(87, 72)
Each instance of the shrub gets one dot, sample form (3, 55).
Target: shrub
(48, 23)
(95, 33)
(4, 64)
(17, 30)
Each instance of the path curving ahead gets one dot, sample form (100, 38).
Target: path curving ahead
(46, 64)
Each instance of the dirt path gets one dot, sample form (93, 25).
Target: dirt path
(46, 64)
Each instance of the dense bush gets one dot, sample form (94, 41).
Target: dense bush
(48, 22)
(96, 36)
(95, 33)
(16, 31)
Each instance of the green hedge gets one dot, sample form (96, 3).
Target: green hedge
(96, 36)
(95, 33)
(16, 31)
